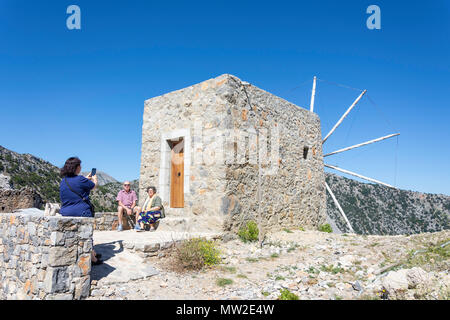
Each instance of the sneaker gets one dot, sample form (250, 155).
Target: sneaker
(119, 228)
(137, 228)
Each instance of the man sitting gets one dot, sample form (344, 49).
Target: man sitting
(127, 203)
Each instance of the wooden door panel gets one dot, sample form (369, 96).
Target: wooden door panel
(177, 175)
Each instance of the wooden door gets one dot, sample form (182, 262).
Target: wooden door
(177, 175)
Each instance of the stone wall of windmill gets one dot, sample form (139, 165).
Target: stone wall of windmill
(249, 155)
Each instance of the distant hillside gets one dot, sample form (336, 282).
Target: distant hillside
(103, 178)
(375, 209)
(27, 170)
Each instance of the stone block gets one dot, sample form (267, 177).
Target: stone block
(86, 231)
(31, 228)
(87, 246)
(62, 296)
(56, 280)
(84, 265)
(57, 238)
(82, 287)
(151, 247)
(12, 231)
(62, 256)
(44, 259)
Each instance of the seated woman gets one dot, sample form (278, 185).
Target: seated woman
(152, 211)
(74, 193)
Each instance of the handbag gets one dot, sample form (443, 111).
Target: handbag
(91, 206)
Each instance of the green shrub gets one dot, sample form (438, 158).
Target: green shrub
(249, 233)
(312, 270)
(325, 228)
(287, 295)
(194, 254)
(221, 282)
(331, 269)
(230, 269)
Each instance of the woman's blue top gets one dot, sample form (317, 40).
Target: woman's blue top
(71, 203)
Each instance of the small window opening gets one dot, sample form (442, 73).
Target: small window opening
(305, 152)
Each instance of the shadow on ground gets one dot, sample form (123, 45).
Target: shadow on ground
(107, 250)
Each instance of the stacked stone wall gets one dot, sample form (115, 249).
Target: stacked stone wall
(105, 221)
(44, 257)
(11, 200)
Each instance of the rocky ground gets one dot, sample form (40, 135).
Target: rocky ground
(310, 264)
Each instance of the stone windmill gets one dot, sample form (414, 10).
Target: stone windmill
(206, 149)
(346, 149)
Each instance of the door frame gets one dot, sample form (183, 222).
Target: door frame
(165, 163)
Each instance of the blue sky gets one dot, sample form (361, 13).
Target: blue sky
(81, 92)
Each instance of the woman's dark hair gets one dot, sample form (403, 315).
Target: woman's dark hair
(153, 188)
(70, 167)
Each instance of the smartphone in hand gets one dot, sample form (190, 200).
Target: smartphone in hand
(93, 172)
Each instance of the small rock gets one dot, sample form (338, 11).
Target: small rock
(292, 286)
(371, 276)
(347, 261)
(396, 280)
(359, 273)
(123, 293)
(416, 276)
(341, 286)
(357, 286)
(96, 293)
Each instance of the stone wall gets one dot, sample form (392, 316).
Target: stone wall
(11, 200)
(108, 221)
(290, 191)
(105, 221)
(44, 257)
(220, 188)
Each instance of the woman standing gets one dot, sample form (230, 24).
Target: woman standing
(74, 192)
